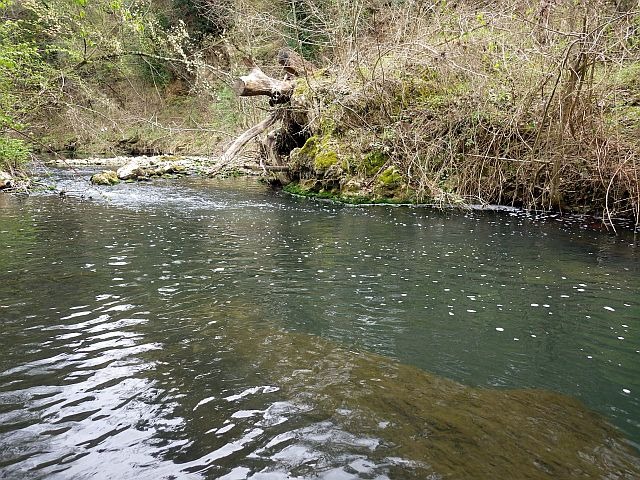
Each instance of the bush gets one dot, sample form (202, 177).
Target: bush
(14, 154)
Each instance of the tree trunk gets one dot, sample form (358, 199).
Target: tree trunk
(258, 83)
(243, 139)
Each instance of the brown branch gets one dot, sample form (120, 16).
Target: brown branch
(247, 136)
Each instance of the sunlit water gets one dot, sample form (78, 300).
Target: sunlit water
(195, 328)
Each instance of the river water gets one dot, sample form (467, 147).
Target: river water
(216, 329)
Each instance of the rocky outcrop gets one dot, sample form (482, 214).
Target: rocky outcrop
(143, 168)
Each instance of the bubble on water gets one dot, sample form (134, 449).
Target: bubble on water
(610, 309)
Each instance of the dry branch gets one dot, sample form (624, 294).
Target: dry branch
(243, 139)
(255, 83)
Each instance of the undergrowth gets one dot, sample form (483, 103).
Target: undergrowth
(507, 103)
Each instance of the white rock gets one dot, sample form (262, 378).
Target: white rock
(5, 180)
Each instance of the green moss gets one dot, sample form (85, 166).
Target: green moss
(320, 152)
(309, 148)
(324, 159)
(329, 120)
(373, 161)
(335, 195)
(301, 88)
(106, 177)
(390, 177)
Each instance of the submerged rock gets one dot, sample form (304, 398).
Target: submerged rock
(106, 177)
(5, 180)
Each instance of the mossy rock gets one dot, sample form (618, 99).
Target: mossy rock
(318, 154)
(391, 188)
(325, 159)
(106, 177)
(178, 168)
(391, 177)
(5, 180)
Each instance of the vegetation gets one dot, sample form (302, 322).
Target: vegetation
(525, 103)
(533, 103)
(95, 76)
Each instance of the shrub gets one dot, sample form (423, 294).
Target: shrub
(14, 154)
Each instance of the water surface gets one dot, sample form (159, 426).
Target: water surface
(201, 329)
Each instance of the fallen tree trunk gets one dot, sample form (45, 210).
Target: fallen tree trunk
(259, 83)
(256, 83)
(243, 139)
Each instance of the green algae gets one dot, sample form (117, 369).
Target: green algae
(314, 189)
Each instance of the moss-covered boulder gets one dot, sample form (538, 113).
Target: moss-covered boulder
(317, 155)
(106, 177)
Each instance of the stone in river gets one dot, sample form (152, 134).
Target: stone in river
(106, 177)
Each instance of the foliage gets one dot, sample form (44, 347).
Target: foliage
(14, 153)
(82, 62)
(521, 103)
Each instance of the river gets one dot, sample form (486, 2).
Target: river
(216, 329)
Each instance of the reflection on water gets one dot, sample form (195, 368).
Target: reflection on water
(190, 331)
